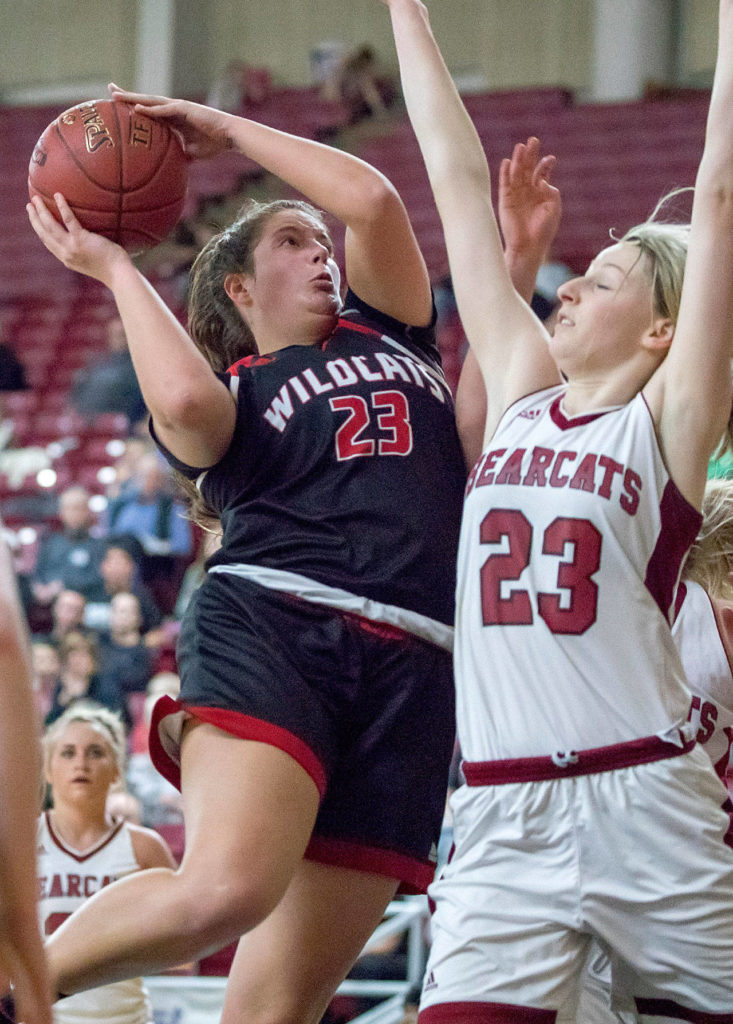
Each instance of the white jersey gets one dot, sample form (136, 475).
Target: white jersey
(66, 879)
(572, 541)
(709, 676)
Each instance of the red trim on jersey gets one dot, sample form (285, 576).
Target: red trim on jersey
(679, 600)
(670, 1008)
(573, 762)
(245, 727)
(680, 523)
(728, 809)
(359, 328)
(88, 853)
(564, 422)
(247, 361)
(485, 1013)
(414, 875)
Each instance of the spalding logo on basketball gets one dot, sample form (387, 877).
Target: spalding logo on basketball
(123, 174)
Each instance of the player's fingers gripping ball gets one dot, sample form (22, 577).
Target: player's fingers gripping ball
(123, 174)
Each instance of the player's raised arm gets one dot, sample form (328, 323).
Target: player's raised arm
(384, 264)
(500, 327)
(529, 216)
(190, 406)
(691, 395)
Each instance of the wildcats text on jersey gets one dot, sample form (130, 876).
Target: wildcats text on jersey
(346, 371)
(547, 467)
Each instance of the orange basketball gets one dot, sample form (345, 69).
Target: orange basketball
(123, 174)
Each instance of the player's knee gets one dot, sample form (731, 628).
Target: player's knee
(220, 907)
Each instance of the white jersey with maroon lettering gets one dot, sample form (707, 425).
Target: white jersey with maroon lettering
(571, 545)
(66, 879)
(709, 676)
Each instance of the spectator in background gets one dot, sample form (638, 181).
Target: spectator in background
(46, 671)
(161, 802)
(78, 678)
(109, 384)
(67, 616)
(125, 663)
(69, 558)
(12, 371)
(357, 82)
(149, 512)
(120, 573)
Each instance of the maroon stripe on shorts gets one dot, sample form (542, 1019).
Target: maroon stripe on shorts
(728, 837)
(414, 875)
(236, 724)
(669, 1008)
(485, 1013)
(565, 764)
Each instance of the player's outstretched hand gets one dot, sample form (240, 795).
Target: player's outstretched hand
(78, 249)
(529, 206)
(202, 129)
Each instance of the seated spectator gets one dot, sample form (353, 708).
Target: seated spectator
(46, 672)
(78, 679)
(150, 513)
(69, 558)
(125, 663)
(357, 83)
(67, 616)
(12, 371)
(109, 384)
(160, 800)
(120, 574)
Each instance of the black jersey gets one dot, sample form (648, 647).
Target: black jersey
(345, 467)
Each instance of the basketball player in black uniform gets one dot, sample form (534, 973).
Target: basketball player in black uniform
(315, 723)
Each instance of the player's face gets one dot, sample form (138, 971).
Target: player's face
(605, 314)
(295, 274)
(81, 765)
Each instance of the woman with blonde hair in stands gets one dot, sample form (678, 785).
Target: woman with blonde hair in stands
(82, 848)
(571, 697)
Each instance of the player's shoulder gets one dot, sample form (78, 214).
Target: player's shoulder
(149, 847)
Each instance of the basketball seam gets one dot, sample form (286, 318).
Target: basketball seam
(121, 177)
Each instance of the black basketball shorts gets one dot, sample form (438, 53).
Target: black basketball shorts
(367, 710)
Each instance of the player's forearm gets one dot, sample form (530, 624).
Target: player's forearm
(448, 140)
(716, 167)
(523, 269)
(169, 367)
(345, 186)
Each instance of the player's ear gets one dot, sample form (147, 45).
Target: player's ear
(235, 285)
(660, 334)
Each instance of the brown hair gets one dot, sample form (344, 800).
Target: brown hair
(78, 641)
(214, 323)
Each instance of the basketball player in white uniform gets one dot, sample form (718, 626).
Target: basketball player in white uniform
(703, 632)
(80, 850)
(572, 700)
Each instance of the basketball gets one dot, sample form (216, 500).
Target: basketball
(123, 174)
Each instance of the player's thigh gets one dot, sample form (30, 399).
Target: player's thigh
(290, 965)
(659, 884)
(505, 915)
(249, 810)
